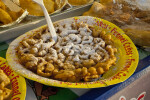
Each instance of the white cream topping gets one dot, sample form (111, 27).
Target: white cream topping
(45, 36)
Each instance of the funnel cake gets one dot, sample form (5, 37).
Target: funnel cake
(79, 2)
(35, 9)
(82, 53)
(7, 15)
(129, 17)
(5, 92)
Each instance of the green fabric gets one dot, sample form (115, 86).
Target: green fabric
(64, 94)
(142, 53)
(3, 49)
(3, 53)
(3, 46)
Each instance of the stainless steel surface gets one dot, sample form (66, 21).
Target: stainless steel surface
(12, 32)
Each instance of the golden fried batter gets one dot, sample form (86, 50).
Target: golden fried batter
(106, 2)
(142, 14)
(79, 2)
(97, 10)
(139, 37)
(135, 23)
(4, 17)
(7, 15)
(59, 4)
(2, 5)
(35, 9)
(109, 12)
(15, 15)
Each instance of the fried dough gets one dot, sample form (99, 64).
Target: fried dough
(139, 37)
(59, 4)
(35, 9)
(97, 10)
(15, 15)
(7, 15)
(135, 23)
(2, 5)
(79, 2)
(4, 17)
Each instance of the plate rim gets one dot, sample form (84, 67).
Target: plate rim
(22, 84)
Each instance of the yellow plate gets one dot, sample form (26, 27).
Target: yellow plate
(18, 84)
(127, 56)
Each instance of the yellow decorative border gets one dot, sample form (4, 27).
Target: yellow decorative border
(18, 84)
